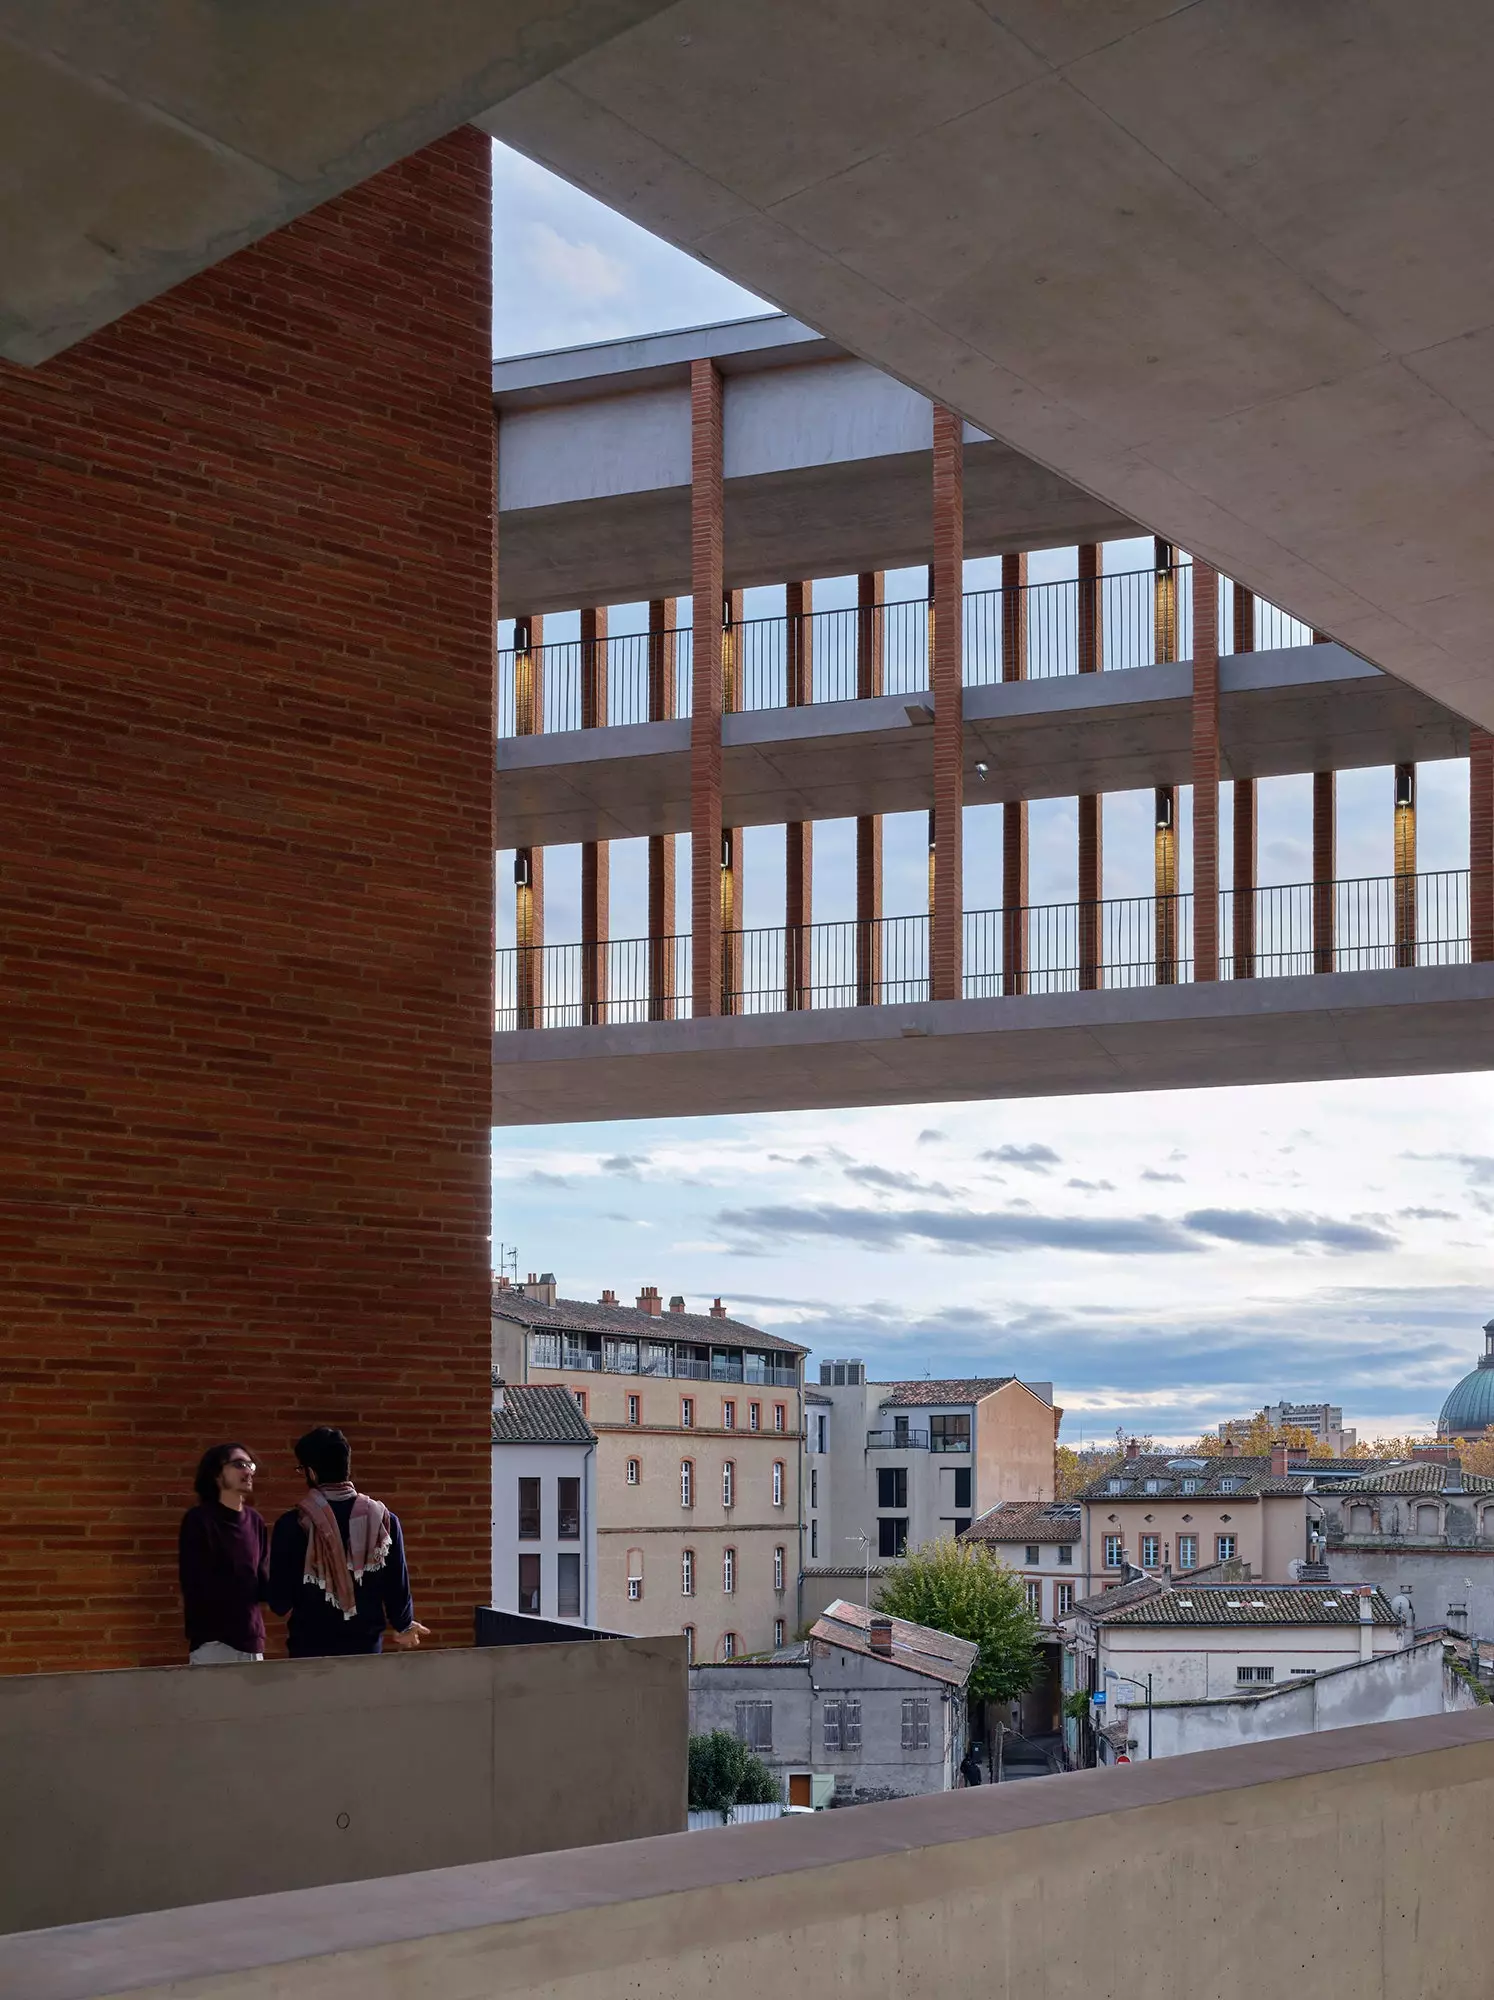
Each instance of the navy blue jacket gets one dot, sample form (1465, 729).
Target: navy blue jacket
(317, 1627)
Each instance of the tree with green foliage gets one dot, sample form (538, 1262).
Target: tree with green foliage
(962, 1589)
(725, 1773)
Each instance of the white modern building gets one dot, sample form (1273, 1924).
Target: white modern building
(544, 1504)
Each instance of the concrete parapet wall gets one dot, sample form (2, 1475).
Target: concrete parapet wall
(146, 1790)
(1202, 1876)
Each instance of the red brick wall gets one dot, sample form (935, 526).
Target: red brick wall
(246, 569)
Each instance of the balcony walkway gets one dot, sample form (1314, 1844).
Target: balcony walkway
(1393, 993)
(1285, 706)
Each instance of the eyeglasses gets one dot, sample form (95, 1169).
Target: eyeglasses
(242, 1464)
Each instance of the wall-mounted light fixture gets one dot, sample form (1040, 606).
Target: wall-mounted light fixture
(1164, 808)
(521, 869)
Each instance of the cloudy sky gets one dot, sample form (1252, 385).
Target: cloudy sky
(1165, 1260)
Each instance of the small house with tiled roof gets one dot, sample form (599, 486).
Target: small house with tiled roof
(1039, 1538)
(544, 1503)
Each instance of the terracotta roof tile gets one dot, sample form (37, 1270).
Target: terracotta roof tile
(926, 1395)
(540, 1414)
(1025, 1521)
(581, 1316)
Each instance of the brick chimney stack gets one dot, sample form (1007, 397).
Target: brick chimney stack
(1230, 1448)
(609, 1298)
(880, 1633)
(1281, 1461)
(718, 1311)
(649, 1301)
(677, 1303)
(1133, 1448)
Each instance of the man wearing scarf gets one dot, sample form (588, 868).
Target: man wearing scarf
(337, 1561)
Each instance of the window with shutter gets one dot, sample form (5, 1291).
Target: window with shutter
(755, 1724)
(831, 1725)
(850, 1722)
(915, 1722)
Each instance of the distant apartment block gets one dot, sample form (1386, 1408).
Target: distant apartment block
(1166, 1512)
(1324, 1422)
(544, 1503)
(699, 1433)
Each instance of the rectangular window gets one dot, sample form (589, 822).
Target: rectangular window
(1031, 1556)
(687, 1482)
(778, 1482)
(1224, 1548)
(779, 1629)
(964, 1483)
(687, 1413)
(1064, 1600)
(831, 1721)
(754, 1416)
(1254, 1676)
(635, 1588)
(635, 1471)
(1065, 1554)
(529, 1584)
(814, 1486)
(728, 1570)
(892, 1486)
(544, 1350)
(728, 1645)
(780, 1417)
(949, 1433)
(850, 1722)
(529, 1510)
(1115, 1549)
(568, 1510)
(1151, 1551)
(892, 1535)
(961, 1524)
(1189, 1486)
(635, 1409)
(1187, 1552)
(580, 1396)
(687, 1573)
(915, 1722)
(728, 1482)
(689, 1645)
(1035, 1597)
(568, 1586)
(778, 1569)
(814, 1541)
(755, 1724)
(728, 1416)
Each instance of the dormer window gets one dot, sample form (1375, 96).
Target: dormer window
(1190, 1486)
(1115, 1486)
(1153, 1486)
(1229, 1486)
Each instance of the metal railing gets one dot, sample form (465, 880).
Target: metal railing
(1141, 616)
(1371, 924)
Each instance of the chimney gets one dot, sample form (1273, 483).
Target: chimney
(1133, 1448)
(677, 1303)
(609, 1298)
(1231, 1448)
(503, 1281)
(880, 1633)
(1436, 1454)
(718, 1311)
(649, 1300)
(1366, 1621)
(546, 1292)
(1281, 1461)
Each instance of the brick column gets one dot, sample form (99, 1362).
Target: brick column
(1164, 599)
(596, 855)
(1324, 867)
(529, 676)
(1165, 882)
(798, 847)
(706, 557)
(1014, 811)
(1481, 843)
(731, 920)
(1245, 851)
(662, 613)
(529, 934)
(1405, 864)
(1091, 647)
(946, 609)
(1205, 772)
(870, 659)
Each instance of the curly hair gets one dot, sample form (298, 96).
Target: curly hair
(210, 1465)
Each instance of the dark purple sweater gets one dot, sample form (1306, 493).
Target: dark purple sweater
(223, 1559)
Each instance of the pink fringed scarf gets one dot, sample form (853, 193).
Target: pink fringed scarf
(331, 1567)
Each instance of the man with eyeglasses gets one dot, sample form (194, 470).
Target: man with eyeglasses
(223, 1559)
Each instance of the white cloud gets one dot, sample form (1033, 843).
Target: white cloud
(580, 269)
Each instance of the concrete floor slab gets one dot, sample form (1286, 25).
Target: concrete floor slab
(1420, 1021)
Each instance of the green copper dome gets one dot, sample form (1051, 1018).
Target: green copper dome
(1470, 1407)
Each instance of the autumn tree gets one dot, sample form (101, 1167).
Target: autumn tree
(1257, 1439)
(962, 1589)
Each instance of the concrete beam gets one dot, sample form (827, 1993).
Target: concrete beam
(143, 143)
(1296, 709)
(1204, 262)
(1430, 1020)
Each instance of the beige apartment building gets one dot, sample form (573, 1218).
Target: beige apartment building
(699, 1421)
(1168, 1512)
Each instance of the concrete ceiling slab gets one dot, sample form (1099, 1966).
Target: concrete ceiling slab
(142, 143)
(1225, 266)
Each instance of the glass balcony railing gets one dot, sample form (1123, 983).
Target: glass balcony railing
(1371, 924)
